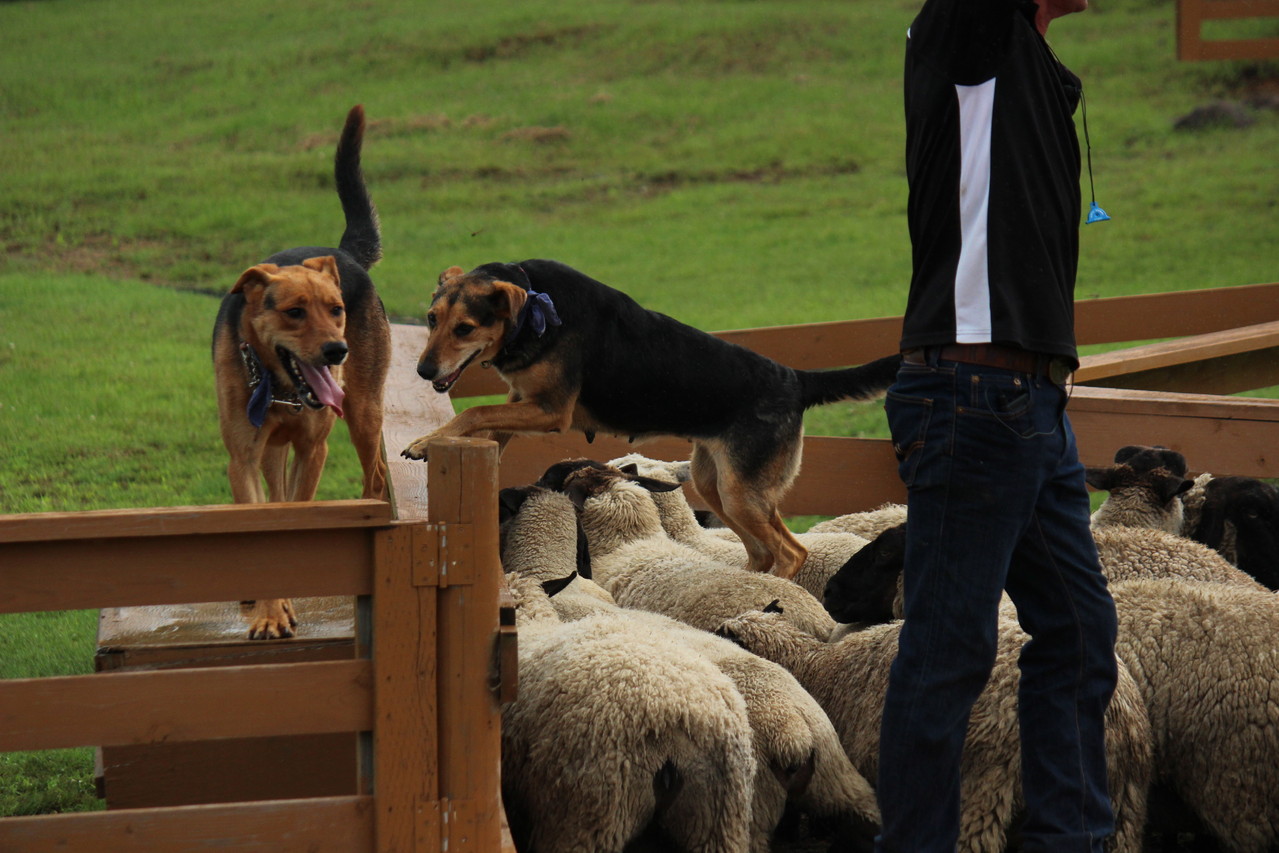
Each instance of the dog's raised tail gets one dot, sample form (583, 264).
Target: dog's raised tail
(362, 238)
(851, 383)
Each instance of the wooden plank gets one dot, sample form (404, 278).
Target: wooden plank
(80, 574)
(1229, 361)
(1224, 435)
(406, 730)
(230, 770)
(115, 708)
(1174, 314)
(328, 825)
(190, 520)
(842, 475)
(463, 475)
(412, 408)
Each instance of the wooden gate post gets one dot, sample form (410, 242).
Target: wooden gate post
(462, 494)
(437, 742)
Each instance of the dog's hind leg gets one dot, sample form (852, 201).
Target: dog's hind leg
(364, 423)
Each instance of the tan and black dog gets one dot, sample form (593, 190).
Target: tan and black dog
(578, 354)
(303, 338)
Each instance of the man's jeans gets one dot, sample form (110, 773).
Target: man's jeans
(996, 502)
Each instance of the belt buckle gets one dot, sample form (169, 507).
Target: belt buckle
(1059, 371)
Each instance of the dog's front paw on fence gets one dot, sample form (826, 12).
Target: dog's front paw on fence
(416, 450)
(272, 619)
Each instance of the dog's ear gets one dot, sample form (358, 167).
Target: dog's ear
(509, 299)
(450, 273)
(257, 276)
(327, 265)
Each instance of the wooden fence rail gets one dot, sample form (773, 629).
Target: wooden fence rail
(428, 768)
(432, 658)
(1191, 15)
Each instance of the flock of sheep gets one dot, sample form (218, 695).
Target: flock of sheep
(671, 700)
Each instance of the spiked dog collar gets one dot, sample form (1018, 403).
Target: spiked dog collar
(260, 383)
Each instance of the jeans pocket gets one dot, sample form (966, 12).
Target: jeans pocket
(908, 419)
(1003, 399)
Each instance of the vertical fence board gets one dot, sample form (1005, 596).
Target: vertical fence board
(405, 741)
(463, 493)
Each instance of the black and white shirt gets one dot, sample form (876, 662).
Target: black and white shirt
(992, 160)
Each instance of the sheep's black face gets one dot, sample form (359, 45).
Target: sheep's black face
(1252, 507)
(864, 588)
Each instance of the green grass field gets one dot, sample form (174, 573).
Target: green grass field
(732, 164)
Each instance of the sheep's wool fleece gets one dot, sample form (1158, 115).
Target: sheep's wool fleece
(991, 786)
(1136, 553)
(602, 708)
(1206, 659)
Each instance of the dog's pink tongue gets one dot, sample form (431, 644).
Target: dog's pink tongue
(326, 390)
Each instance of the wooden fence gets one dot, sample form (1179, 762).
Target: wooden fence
(423, 689)
(1192, 14)
(434, 657)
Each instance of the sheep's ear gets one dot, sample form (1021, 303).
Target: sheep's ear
(1169, 486)
(629, 468)
(729, 634)
(653, 484)
(509, 502)
(552, 587)
(577, 492)
(1172, 460)
(583, 553)
(1102, 479)
(774, 606)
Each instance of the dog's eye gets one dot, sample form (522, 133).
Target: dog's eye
(430, 321)
(462, 330)
(336, 310)
(295, 313)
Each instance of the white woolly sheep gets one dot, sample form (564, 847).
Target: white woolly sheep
(867, 525)
(1205, 660)
(797, 749)
(1236, 516)
(799, 754)
(1133, 553)
(617, 732)
(1145, 485)
(826, 551)
(541, 539)
(642, 567)
(849, 679)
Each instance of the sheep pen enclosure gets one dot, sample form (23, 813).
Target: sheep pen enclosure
(431, 649)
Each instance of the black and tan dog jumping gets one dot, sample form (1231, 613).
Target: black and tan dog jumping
(301, 339)
(578, 354)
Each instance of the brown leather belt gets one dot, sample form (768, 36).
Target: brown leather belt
(993, 355)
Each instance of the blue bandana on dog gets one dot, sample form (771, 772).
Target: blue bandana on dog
(538, 312)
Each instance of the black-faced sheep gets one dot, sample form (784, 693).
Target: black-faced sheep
(642, 567)
(849, 679)
(1239, 518)
(798, 756)
(1145, 485)
(826, 551)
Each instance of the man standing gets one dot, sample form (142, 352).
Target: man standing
(997, 500)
